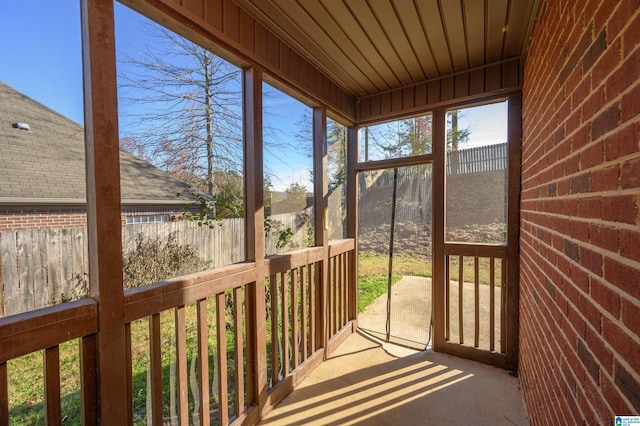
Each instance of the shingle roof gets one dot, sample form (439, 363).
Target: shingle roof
(47, 162)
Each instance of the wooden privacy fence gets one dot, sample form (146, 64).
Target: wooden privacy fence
(45, 267)
(477, 160)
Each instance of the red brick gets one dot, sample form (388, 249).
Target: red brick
(593, 104)
(580, 230)
(589, 207)
(630, 104)
(625, 277)
(605, 179)
(579, 278)
(605, 297)
(612, 394)
(627, 383)
(580, 184)
(621, 143)
(604, 236)
(591, 312)
(630, 176)
(598, 403)
(620, 208)
(630, 244)
(572, 250)
(631, 36)
(630, 315)
(592, 156)
(621, 343)
(602, 15)
(606, 121)
(591, 260)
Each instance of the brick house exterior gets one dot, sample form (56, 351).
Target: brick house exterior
(580, 222)
(42, 181)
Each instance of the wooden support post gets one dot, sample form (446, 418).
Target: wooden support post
(353, 148)
(514, 136)
(103, 205)
(439, 150)
(321, 191)
(254, 238)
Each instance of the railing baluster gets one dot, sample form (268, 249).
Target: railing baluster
(88, 384)
(492, 304)
(447, 303)
(334, 289)
(285, 325)
(461, 299)
(155, 356)
(337, 285)
(203, 361)
(313, 288)
(343, 290)
(4, 394)
(294, 317)
(221, 326)
(52, 385)
(129, 373)
(273, 289)
(303, 310)
(476, 290)
(503, 306)
(239, 353)
(181, 365)
(329, 286)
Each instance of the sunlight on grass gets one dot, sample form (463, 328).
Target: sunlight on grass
(373, 274)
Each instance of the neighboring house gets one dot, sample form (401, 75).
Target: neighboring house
(42, 172)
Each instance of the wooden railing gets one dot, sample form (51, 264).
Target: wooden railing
(341, 297)
(475, 304)
(212, 302)
(294, 309)
(189, 351)
(47, 329)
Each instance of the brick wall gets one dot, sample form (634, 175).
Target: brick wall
(16, 219)
(580, 234)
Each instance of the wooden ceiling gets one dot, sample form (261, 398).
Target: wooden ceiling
(372, 46)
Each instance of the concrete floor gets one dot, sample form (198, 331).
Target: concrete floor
(365, 382)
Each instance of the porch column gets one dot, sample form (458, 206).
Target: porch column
(103, 206)
(353, 156)
(254, 238)
(438, 221)
(321, 190)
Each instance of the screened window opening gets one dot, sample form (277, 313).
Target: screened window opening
(397, 139)
(288, 172)
(476, 181)
(180, 122)
(337, 179)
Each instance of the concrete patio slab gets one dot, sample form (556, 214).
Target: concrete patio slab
(366, 382)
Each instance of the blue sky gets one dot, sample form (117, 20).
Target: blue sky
(41, 57)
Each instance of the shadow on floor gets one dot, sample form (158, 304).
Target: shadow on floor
(367, 383)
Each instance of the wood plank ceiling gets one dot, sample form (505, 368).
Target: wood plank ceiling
(372, 46)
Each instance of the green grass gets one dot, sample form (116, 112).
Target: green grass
(468, 273)
(373, 274)
(26, 387)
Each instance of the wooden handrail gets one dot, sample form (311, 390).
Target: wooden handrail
(475, 250)
(152, 299)
(295, 259)
(341, 246)
(32, 331)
